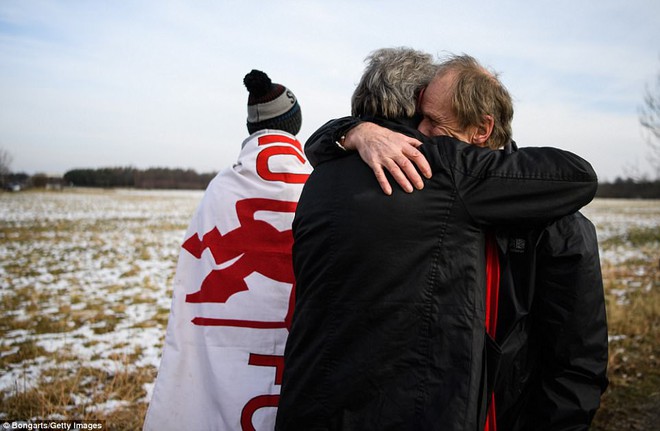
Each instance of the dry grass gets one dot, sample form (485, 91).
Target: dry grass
(84, 285)
(49, 295)
(76, 393)
(632, 401)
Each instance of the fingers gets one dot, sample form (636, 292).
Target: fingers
(382, 181)
(394, 170)
(385, 150)
(401, 165)
(419, 160)
(405, 174)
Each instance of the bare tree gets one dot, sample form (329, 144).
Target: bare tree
(649, 118)
(5, 165)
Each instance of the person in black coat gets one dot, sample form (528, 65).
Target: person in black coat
(551, 326)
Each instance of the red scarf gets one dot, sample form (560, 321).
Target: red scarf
(492, 294)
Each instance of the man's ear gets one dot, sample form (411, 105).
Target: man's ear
(483, 132)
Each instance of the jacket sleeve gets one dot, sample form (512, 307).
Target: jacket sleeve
(531, 186)
(571, 324)
(322, 145)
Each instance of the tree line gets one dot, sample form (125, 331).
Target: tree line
(152, 178)
(629, 189)
(168, 178)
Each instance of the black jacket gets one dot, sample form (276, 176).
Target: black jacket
(388, 330)
(552, 327)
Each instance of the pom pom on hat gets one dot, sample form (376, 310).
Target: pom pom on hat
(258, 84)
(271, 105)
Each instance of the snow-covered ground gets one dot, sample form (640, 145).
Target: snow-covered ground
(87, 274)
(84, 274)
(615, 217)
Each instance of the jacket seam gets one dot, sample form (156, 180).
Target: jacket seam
(330, 364)
(428, 306)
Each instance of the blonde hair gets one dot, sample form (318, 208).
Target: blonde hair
(476, 92)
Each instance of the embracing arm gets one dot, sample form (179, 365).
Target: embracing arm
(322, 145)
(382, 149)
(529, 186)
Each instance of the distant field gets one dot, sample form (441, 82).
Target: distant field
(85, 286)
(85, 298)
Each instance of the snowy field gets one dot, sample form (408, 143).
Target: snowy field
(85, 277)
(615, 218)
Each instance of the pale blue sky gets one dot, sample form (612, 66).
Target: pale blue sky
(159, 83)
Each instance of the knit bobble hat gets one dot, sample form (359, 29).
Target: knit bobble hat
(270, 105)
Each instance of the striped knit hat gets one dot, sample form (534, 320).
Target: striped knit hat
(271, 106)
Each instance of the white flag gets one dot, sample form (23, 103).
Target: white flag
(223, 355)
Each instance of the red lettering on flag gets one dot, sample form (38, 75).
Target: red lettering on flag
(263, 169)
(276, 139)
(262, 401)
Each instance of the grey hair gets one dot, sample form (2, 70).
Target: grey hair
(391, 82)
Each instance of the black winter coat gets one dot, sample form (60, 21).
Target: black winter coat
(552, 327)
(388, 329)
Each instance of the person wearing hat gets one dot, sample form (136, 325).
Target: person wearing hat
(271, 106)
(233, 290)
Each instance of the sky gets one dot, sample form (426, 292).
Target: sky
(158, 83)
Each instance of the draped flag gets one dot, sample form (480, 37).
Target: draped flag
(233, 296)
